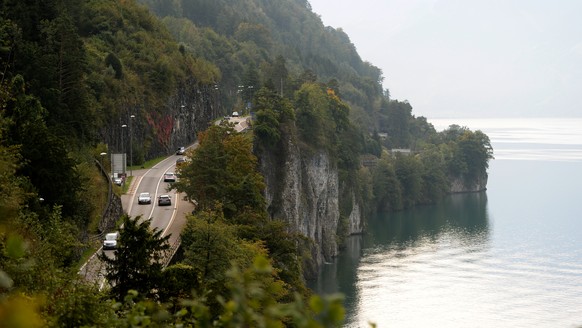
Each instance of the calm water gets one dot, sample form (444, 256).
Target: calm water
(507, 257)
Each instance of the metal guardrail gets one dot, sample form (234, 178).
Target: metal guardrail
(95, 238)
(172, 251)
(109, 192)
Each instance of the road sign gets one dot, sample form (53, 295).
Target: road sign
(118, 164)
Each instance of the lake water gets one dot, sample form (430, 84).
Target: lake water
(507, 257)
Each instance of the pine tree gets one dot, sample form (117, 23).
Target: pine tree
(138, 260)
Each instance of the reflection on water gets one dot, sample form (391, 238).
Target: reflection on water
(510, 257)
(402, 245)
(441, 266)
(463, 216)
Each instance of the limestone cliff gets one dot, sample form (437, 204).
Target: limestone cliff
(461, 185)
(303, 189)
(159, 130)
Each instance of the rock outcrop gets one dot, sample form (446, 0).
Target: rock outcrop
(303, 189)
(159, 131)
(462, 185)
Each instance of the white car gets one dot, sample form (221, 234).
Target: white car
(144, 198)
(110, 241)
(169, 177)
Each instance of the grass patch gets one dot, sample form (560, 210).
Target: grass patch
(88, 253)
(125, 186)
(148, 164)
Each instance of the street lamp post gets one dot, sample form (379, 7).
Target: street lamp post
(130, 146)
(102, 155)
(249, 105)
(102, 165)
(123, 147)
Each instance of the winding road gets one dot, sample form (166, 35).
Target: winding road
(169, 219)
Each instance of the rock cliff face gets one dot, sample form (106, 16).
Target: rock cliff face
(303, 190)
(159, 131)
(193, 110)
(460, 185)
(355, 219)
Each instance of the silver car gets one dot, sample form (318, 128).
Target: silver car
(164, 200)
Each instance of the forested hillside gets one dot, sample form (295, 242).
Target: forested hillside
(283, 40)
(74, 74)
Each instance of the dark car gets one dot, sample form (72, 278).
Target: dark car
(169, 177)
(180, 151)
(164, 200)
(180, 161)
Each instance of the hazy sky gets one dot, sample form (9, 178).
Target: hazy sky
(470, 58)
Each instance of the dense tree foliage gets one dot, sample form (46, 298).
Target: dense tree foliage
(435, 184)
(249, 301)
(223, 169)
(36, 253)
(48, 165)
(271, 110)
(386, 188)
(282, 38)
(425, 175)
(211, 246)
(408, 173)
(138, 259)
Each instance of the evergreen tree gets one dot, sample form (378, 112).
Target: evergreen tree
(279, 75)
(48, 165)
(138, 259)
